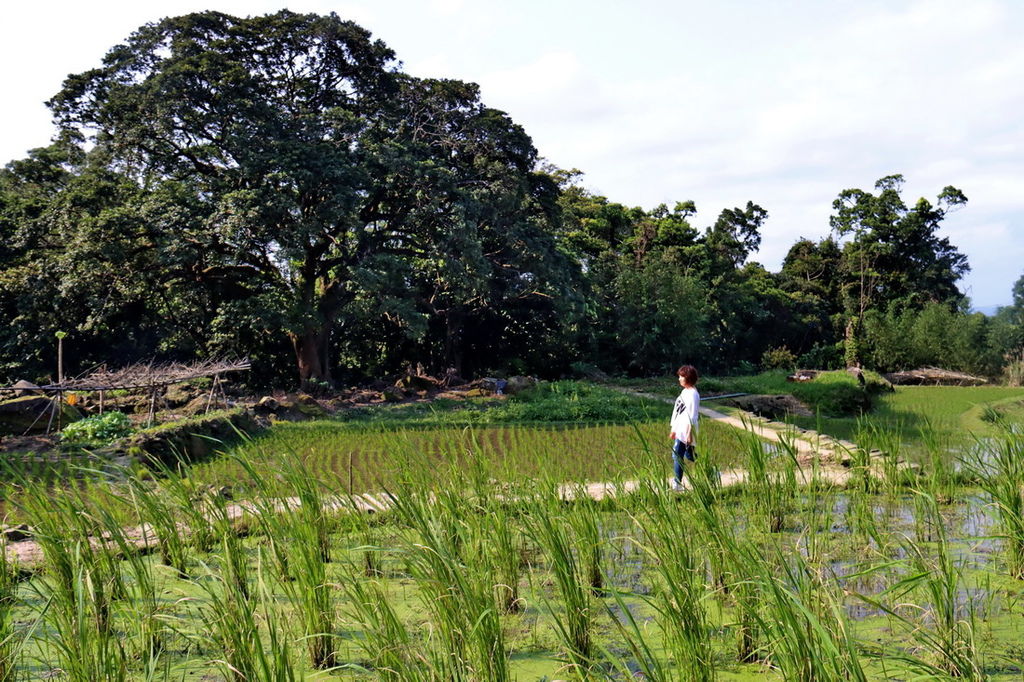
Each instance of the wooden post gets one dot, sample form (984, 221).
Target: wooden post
(54, 406)
(213, 389)
(60, 358)
(59, 404)
(152, 405)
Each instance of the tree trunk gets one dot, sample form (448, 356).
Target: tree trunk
(852, 343)
(311, 356)
(453, 339)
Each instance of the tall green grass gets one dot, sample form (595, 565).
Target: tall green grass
(482, 571)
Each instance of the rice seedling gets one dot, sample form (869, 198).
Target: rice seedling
(392, 653)
(83, 653)
(860, 518)
(998, 467)
(888, 441)
(505, 548)
(84, 646)
(574, 624)
(233, 559)
(939, 473)
(10, 644)
(724, 536)
(772, 492)
(184, 502)
(679, 598)
(82, 578)
(142, 604)
(946, 631)
(644, 660)
(311, 592)
(231, 620)
(582, 518)
(162, 519)
(294, 549)
(312, 503)
(818, 517)
(459, 594)
(805, 628)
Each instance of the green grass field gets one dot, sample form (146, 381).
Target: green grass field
(481, 570)
(949, 417)
(365, 459)
(946, 417)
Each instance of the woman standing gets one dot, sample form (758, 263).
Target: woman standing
(684, 421)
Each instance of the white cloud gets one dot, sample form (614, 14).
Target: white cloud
(447, 7)
(541, 77)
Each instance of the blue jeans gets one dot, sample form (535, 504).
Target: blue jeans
(682, 451)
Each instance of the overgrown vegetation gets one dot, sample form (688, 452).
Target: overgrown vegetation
(96, 430)
(546, 402)
(837, 393)
(481, 570)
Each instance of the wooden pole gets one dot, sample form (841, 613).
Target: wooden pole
(152, 406)
(60, 358)
(213, 389)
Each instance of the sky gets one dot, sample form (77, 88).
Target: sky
(781, 102)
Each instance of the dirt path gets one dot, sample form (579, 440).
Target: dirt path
(831, 455)
(811, 447)
(807, 442)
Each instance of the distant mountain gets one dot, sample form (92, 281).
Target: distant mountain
(989, 310)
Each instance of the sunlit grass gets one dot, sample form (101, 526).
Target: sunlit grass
(692, 586)
(486, 569)
(372, 460)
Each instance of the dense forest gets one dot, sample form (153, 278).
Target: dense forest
(277, 188)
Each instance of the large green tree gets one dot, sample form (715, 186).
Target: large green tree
(893, 257)
(292, 160)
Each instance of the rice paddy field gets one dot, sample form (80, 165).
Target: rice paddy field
(913, 419)
(486, 560)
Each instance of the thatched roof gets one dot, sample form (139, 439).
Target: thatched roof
(144, 375)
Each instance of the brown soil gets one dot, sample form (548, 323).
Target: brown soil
(36, 444)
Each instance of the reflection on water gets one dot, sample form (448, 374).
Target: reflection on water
(863, 545)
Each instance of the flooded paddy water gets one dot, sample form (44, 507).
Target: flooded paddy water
(481, 569)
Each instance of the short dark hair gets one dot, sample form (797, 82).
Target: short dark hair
(689, 372)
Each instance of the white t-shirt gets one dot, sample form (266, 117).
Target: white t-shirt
(684, 413)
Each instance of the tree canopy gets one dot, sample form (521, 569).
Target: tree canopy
(276, 187)
(285, 161)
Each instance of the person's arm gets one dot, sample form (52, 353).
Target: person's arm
(673, 421)
(692, 402)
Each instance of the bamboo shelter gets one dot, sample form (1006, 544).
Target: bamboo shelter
(152, 378)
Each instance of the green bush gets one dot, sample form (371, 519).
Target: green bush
(934, 336)
(822, 357)
(833, 394)
(571, 401)
(836, 393)
(99, 429)
(778, 358)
